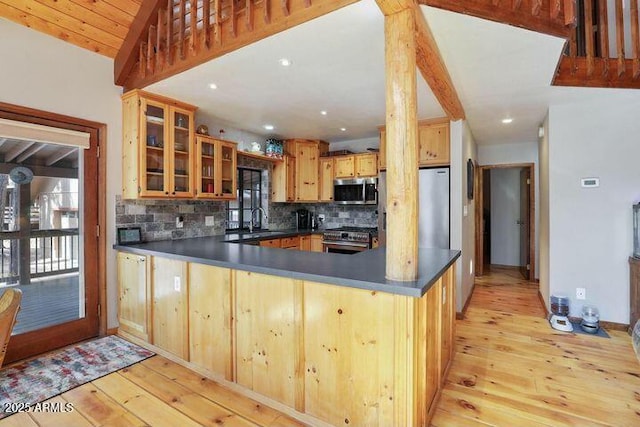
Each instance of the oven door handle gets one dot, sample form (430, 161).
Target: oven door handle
(356, 244)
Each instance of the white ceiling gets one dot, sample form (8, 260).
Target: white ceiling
(338, 66)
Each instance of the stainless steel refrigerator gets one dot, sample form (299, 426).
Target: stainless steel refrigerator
(433, 208)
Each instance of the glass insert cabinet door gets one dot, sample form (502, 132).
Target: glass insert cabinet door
(182, 135)
(216, 168)
(154, 160)
(208, 167)
(228, 170)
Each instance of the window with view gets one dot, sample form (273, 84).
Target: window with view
(249, 197)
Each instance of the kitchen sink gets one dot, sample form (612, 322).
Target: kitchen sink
(245, 236)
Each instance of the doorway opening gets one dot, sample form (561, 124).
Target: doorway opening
(505, 218)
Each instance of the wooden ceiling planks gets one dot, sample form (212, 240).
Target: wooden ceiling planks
(96, 25)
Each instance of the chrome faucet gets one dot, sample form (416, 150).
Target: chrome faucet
(251, 217)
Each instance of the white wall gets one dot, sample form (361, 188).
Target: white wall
(42, 72)
(590, 229)
(504, 154)
(243, 138)
(462, 235)
(505, 212)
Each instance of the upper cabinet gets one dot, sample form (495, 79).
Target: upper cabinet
(216, 175)
(433, 143)
(326, 179)
(356, 166)
(307, 162)
(157, 147)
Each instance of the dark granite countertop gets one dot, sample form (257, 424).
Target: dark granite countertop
(365, 270)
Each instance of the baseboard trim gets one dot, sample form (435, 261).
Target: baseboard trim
(112, 331)
(544, 306)
(506, 267)
(460, 314)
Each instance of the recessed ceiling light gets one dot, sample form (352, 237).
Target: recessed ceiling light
(343, 129)
(268, 127)
(507, 120)
(213, 86)
(323, 112)
(284, 62)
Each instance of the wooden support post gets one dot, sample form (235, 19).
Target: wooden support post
(588, 35)
(159, 39)
(193, 22)
(635, 38)
(402, 145)
(570, 17)
(150, 49)
(218, 23)
(181, 28)
(620, 37)
(266, 4)
(248, 10)
(24, 215)
(603, 32)
(169, 32)
(206, 23)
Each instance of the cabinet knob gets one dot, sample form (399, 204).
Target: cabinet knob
(173, 192)
(166, 192)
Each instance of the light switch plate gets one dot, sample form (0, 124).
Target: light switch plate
(208, 221)
(176, 283)
(179, 222)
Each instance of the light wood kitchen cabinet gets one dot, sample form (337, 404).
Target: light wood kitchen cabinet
(316, 243)
(344, 167)
(157, 147)
(326, 179)
(448, 322)
(433, 144)
(210, 319)
(269, 341)
(366, 165)
(216, 174)
(305, 243)
(634, 292)
(170, 310)
(375, 242)
(283, 180)
(134, 295)
(349, 346)
(290, 242)
(307, 164)
(271, 243)
(356, 166)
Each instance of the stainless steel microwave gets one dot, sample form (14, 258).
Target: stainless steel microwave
(358, 191)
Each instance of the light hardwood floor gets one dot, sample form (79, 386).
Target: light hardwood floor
(510, 369)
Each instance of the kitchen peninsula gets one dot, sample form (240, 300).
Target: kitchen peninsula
(322, 336)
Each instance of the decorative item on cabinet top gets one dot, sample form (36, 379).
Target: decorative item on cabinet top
(202, 130)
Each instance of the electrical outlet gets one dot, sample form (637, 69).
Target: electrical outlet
(581, 293)
(321, 217)
(179, 222)
(208, 221)
(176, 283)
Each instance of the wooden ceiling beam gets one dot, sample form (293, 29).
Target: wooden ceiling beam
(542, 18)
(434, 71)
(128, 54)
(55, 158)
(30, 152)
(17, 150)
(391, 7)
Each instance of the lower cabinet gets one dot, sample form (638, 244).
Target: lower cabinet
(170, 311)
(349, 355)
(305, 243)
(269, 336)
(134, 295)
(316, 243)
(339, 354)
(210, 319)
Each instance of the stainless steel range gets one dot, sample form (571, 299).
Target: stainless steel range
(347, 240)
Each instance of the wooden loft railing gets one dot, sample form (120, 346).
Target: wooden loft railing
(170, 36)
(604, 48)
(554, 17)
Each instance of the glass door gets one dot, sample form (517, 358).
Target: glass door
(48, 243)
(207, 167)
(228, 170)
(153, 158)
(182, 128)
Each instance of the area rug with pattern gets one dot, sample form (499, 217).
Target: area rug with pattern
(28, 383)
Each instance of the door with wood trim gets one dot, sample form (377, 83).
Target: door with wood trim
(525, 235)
(49, 232)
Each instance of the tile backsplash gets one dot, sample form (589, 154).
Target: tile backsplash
(157, 218)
